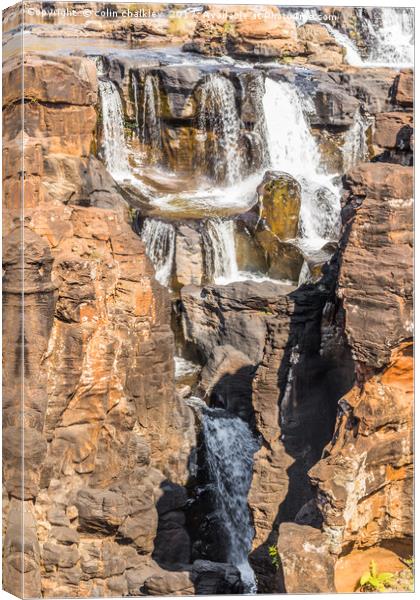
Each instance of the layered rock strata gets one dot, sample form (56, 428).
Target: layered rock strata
(363, 482)
(322, 373)
(103, 428)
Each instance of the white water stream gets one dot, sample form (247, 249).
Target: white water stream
(353, 57)
(159, 239)
(293, 149)
(391, 39)
(219, 115)
(355, 147)
(230, 447)
(115, 148)
(150, 124)
(219, 251)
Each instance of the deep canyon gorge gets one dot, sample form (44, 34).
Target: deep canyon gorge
(208, 230)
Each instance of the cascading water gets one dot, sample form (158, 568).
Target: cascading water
(114, 145)
(219, 250)
(230, 446)
(148, 120)
(291, 145)
(135, 86)
(293, 149)
(355, 147)
(391, 37)
(353, 57)
(218, 113)
(159, 239)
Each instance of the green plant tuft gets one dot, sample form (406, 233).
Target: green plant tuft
(274, 555)
(373, 581)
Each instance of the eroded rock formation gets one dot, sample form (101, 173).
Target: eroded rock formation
(115, 497)
(104, 429)
(363, 481)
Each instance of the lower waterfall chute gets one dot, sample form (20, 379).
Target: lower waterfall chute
(230, 446)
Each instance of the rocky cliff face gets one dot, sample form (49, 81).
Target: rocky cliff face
(363, 482)
(107, 490)
(106, 440)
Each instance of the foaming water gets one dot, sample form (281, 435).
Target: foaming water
(148, 119)
(240, 196)
(184, 368)
(392, 38)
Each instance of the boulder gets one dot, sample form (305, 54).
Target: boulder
(393, 130)
(167, 583)
(226, 380)
(334, 106)
(393, 137)
(189, 267)
(233, 314)
(403, 94)
(278, 27)
(101, 509)
(279, 197)
(315, 33)
(212, 578)
(177, 86)
(266, 48)
(370, 86)
(140, 526)
(219, 32)
(306, 564)
(250, 256)
(284, 259)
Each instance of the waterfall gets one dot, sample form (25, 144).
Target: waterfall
(355, 147)
(391, 37)
(149, 125)
(219, 115)
(219, 250)
(230, 446)
(353, 57)
(135, 86)
(159, 238)
(291, 145)
(184, 368)
(115, 149)
(293, 149)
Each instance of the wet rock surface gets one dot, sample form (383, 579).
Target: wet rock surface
(114, 501)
